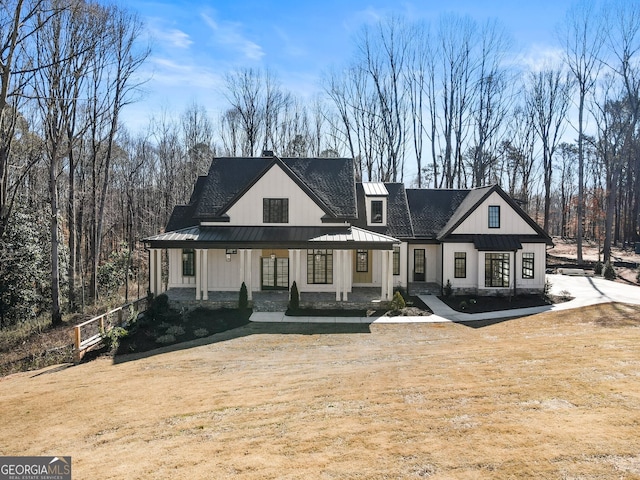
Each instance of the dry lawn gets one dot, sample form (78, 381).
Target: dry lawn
(548, 396)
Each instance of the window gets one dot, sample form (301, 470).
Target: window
(275, 210)
(396, 260)
(494, 216)
(362, 261)
(231, 251)
(376, 211)
(188, 262)
(496, 269)
(460, 270)
(527, 265)
(319, 266)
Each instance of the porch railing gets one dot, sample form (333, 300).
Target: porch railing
(89, 334)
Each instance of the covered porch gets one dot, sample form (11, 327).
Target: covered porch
(324, 263)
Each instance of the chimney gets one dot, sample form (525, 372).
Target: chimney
(267, 153)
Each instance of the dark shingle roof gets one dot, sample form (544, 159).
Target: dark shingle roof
(431, 210)
(398, 218)
(183, 215)
(331, 179)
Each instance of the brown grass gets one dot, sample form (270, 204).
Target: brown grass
(548, 396)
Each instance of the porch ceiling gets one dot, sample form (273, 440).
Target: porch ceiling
(346, 237)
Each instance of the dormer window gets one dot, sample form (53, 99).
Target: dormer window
(275, 210)
(376, 211)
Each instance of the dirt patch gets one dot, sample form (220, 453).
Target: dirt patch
(547, 396)
(565, 253)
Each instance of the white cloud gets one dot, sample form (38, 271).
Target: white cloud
(178, 38)
(539, 57)
(230, 34)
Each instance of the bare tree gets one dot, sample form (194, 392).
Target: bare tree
(244, 91)
(548, 100)
(582, 37)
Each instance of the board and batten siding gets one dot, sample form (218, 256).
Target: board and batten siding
(511, 223)
(470, 281)
(303, 211)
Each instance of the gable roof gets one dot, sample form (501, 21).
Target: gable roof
(329, 182)
(474, 199)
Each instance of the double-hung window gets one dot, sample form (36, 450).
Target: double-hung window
(319, 266)
(188, 262)
(527, 265)
(396, 260)
(494, 216)
(362, 261)
(460, 270)
(275, 210)
(376, 211)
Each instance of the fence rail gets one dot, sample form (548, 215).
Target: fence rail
(88, 334)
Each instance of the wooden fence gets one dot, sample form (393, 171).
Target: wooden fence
(88, 334)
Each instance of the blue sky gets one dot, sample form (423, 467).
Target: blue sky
(194, 43)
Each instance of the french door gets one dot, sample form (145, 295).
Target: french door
(275, 273)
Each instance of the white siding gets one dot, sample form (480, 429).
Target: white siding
(275, 183)
(449, 250)
(432, 262)
(176, 279)
(511, 223)
(539, 265)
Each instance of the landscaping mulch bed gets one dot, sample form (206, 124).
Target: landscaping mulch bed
(173, 327)
(481, 304)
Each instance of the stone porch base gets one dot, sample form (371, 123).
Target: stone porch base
(361, 298)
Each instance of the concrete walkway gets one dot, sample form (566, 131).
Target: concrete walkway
(585, 290)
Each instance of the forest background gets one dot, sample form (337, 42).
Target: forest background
(79, 190)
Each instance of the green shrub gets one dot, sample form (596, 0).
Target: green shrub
(294, 302)
(159, 307)
(166, 339)
(397, 302)
(609, 272)
(463, 305)
(243, 300)
(111, 338)
(201, 332)
(448, 289)
(175, 330)
(597, 268)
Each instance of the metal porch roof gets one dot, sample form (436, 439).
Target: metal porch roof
(267, 236)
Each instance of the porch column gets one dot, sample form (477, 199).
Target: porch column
(346, 282)
(299, 269)
(248, 278)
(155, 271)
(338, 273)
(198, 274)
(389, 254)
(384, 294)
(242, 274)
(205, 274)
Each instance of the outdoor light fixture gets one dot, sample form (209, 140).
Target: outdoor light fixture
(228, 257)
(273, 256)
